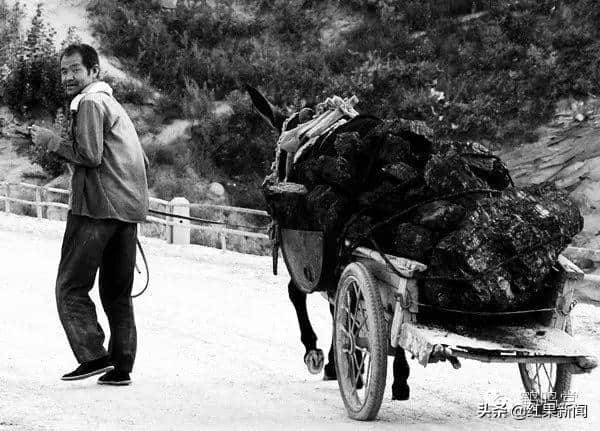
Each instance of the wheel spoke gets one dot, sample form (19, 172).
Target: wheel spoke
(551, 387)
(345, 331)
(537, 379)
(361, 326)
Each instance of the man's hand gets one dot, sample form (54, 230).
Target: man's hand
(46, 137)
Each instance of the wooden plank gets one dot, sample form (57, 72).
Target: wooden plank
(28, 186)
(573, 272)
(54, 204)
(58, 191)
(406, 267)
(159, 201)
(582, 253)
(20, 201)
(504, 359)
(594, 278)
(151, 219)
(533, 340)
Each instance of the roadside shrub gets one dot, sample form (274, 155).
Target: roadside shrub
(33, 83)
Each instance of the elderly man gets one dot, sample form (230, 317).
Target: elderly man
(109, 197)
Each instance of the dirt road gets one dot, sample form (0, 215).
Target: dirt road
(218, 349)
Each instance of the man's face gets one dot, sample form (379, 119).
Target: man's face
(74, 75)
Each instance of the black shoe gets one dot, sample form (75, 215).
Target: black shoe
(115, 378)
(90, 368)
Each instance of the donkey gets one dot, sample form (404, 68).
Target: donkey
(313, 358)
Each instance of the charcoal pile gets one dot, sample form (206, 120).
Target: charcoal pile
(393, 187)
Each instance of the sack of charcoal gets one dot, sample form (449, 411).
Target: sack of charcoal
(451, 205)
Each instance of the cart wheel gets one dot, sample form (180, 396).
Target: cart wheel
(543, 379)
(360, 336)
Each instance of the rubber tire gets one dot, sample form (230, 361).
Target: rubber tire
(378, 342)
(562, 381)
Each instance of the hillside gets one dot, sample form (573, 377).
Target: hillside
(518, 76)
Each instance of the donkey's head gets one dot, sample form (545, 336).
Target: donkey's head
(303, 130)
(275, 116)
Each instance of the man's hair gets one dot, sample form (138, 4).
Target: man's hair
(89, 56)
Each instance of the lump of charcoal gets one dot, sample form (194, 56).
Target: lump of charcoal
(440, 216)
(507, 244)
(481, 161)
(303, 173)
(394, 149)
(402, 173)
(400, 127)
(414, 242)
(558, 204)
(499, 177)
(334, 171)
(359, 226)
(349, 145)
(328, 209)
(386, 197)
(448, 173)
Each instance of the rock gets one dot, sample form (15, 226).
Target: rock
(439, 216)
(327, 208)
(216, 189)
(513, 238)
(402, 173)
(413, 242)
(448, 174)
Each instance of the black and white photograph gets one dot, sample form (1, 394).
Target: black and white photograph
(299, 215)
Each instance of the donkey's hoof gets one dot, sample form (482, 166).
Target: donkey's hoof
(401, 393)
(314, 361)
(329, 372)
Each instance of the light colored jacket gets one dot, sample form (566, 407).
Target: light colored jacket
(109, 165)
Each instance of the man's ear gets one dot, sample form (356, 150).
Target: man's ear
(95, 71)
(272, 114)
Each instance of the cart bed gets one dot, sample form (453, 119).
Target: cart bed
(523, 343)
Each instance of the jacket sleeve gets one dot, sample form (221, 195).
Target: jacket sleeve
(87, 146)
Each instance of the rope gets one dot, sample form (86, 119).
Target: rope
(486, 313)
(139, 272)
(396, 216)
(202, 220)
(196, 219)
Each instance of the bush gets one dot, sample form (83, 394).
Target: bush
(33, 83)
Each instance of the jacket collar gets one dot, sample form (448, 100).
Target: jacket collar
(94, 87)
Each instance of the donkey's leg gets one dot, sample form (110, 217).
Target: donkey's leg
(329, 372)
(400, 389)
(313, 358)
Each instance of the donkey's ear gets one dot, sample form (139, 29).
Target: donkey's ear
(265, 108)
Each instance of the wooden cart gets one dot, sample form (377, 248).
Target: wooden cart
(377, 309)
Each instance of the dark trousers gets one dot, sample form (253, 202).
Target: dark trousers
(109, 245)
